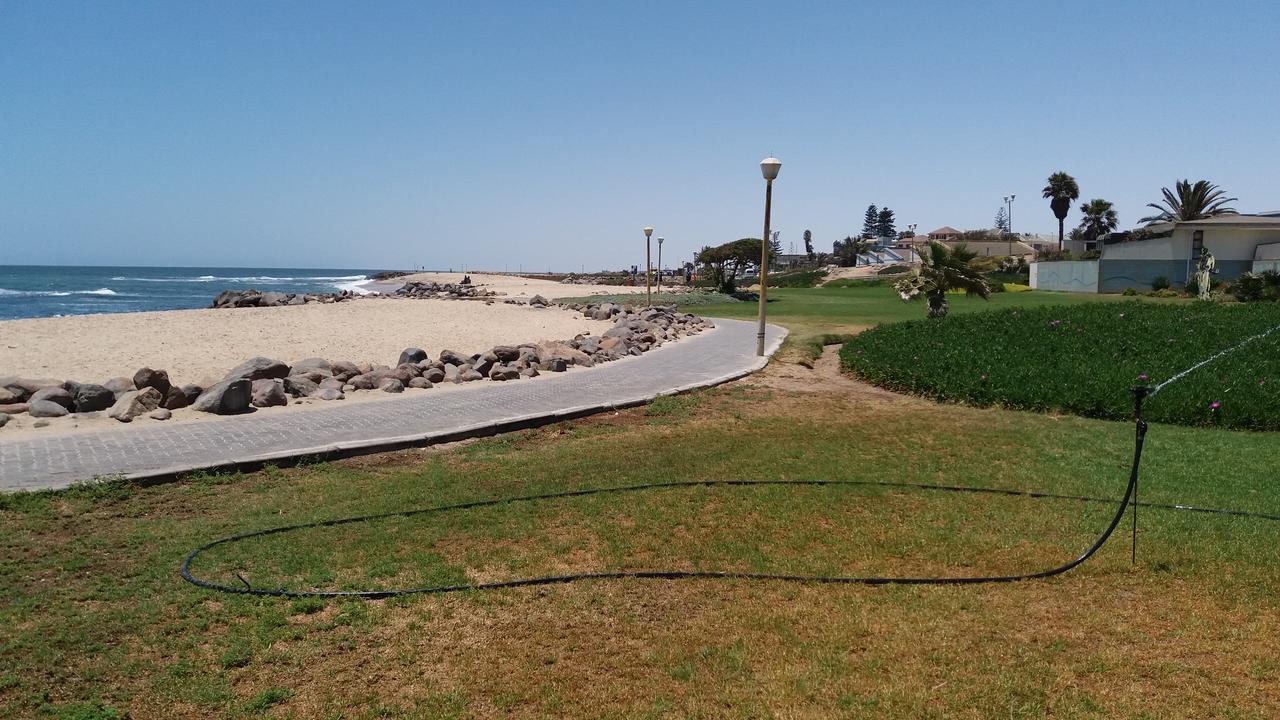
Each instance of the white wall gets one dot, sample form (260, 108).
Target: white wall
(1065, 276)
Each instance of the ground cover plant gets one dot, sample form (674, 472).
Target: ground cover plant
(1085, 359)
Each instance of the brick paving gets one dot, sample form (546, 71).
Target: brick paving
(153, 449)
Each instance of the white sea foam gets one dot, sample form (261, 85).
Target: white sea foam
(358, 286)
(55, 293)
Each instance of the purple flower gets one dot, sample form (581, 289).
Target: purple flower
(1142, 377)
(1215, 405)
(1055, 323)
(1262, 381)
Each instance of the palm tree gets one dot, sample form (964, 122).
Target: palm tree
(1099, 219)
(1060, 191)
(1190, 202)
(942, 269)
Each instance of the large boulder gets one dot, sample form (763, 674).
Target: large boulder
(148, 378)
(554, 350)
(45, 409)
(180, 397)
(135, 403)
(8, 396)
(14, 408)
(329, 394)
(328, 384)
(412, 355)
(27, 386)
(160, 414)
(504, 372)
(391, 385)
(434, 375)
(406, 372)
(226, 398)
(119, 386)
(367, 381)
(468, 375)
(485, 362)
(258, 368)
(299, 386)
(506, 353)
(452, 357)
(420, 383)
(313, 364)
(344, 370)
(268, 392)
(56, 395)
(89, 397)
(273, 299)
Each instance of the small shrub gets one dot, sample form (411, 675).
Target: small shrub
(1164, 293)
(1129, 292)
(1159, 282)
(893, 270)
(1249, 287)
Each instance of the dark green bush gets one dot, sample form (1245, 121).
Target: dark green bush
(1086, 359)
(1159, 282)
(1129, 292)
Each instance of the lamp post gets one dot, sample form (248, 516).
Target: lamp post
(1008, 219)
(659, 266)
(769, 167)
(648, 232)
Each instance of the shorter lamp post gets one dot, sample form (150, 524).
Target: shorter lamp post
(769, 167)
(659, 266)
(648, 232)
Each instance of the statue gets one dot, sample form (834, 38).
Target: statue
(1205, 267)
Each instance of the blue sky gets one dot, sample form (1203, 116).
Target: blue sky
(545, 135)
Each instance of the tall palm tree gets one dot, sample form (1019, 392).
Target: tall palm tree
(942, 269)
(1190, 202)
(1060, 191)
(1099, 219)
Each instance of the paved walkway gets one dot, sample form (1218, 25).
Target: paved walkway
(147, 450)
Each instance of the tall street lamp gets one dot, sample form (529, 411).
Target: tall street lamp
(769, 167)
(648, 232)
(659, 266)
(1008, 220)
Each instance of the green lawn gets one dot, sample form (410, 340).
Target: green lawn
(95, 621)
(814, 314)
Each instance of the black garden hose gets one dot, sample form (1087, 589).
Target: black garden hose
(1124, 502)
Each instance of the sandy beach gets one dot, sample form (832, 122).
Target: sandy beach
(198, 346)
(515, 287)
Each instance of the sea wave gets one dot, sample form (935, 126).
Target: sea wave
(247, 279)
(357, 287)
(5, 292)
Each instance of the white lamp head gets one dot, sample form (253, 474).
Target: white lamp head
(659, 241)
(769, 167)
(648, 231)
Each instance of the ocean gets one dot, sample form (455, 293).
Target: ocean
(28, 291)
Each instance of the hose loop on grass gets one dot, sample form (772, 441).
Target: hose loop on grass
(1129, 498)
